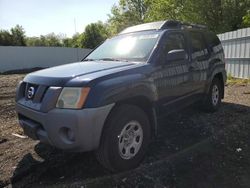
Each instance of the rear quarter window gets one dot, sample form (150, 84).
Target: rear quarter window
(213, 41)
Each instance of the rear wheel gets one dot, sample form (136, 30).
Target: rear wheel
(213, 98)
(125, 138)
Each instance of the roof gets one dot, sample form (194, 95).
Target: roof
(160, 25)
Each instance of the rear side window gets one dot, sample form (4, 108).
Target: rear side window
(198, 45)
(212, 40)
(175, 41)
(197, 41)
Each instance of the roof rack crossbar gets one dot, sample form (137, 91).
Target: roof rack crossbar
(198, 26)
(179, 24)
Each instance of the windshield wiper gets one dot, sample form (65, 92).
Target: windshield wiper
(111, 59)
(88, 60)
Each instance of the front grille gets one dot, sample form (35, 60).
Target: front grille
(44, 97)
(34, 92)
(28, 96)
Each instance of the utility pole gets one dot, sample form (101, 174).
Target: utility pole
(77, 54)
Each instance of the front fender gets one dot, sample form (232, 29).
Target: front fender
(119, 88)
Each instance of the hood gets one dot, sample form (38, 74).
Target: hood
(59, 75)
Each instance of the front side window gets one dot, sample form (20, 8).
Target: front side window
(131, 47)
(174, 41)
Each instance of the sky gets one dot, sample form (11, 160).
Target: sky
(40, 17)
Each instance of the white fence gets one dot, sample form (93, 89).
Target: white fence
(236, 45)
(18, 58)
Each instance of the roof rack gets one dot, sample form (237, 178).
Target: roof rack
(169, 24)
(196, 26)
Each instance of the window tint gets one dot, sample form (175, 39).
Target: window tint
(212, 40)
(197, 42)
(199, 48)
(174, 41)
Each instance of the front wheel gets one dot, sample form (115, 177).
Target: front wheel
(213, 98)
(125, 138)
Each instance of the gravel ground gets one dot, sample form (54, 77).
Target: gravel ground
(193, 149)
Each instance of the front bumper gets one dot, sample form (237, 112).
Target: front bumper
(74, 130)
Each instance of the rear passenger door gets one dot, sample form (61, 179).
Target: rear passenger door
(172, 79)
(199, 60)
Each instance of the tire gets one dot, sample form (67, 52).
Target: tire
(125, 138)
(213, 98)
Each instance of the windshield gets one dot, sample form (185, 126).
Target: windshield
(132, 47)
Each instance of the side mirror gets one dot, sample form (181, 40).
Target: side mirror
(176, 55)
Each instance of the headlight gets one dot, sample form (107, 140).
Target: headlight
(72, 97)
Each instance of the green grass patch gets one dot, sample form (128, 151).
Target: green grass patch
(237, 81)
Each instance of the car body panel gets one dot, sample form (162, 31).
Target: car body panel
(60, 75)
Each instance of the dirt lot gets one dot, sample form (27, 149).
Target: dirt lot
(193, 149)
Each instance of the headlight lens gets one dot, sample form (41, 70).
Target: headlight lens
(72, 97)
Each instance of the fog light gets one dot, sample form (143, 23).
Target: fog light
(67, 135)
(70, 135)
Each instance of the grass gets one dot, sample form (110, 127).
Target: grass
(236, 81)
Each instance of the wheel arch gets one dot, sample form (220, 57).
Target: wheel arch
(220, 74)
(144, 104)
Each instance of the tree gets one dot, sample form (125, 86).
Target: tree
(218, 15)
(36, 41)
(127, 13)
(45, 40)
(52, 40)
(33, 41)
(18, 36)
(165, 9)
(67, 42)
(246, 19)
(73, 42)
(94, 35)
(5, 38)
(233, 12)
